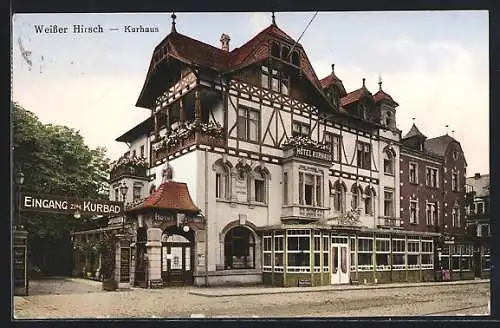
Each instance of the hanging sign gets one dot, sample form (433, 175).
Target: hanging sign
(62, 204)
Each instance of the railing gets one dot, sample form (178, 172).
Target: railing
(136, 171)
(196, 138)
(303, 212)
(389, 222)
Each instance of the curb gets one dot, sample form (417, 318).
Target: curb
(334, 289)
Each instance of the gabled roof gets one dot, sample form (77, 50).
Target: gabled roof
(332, 79)
(381, 95)
(414, 132)
(194, 52)
(355, 96)
(439, 145)
(142, 128)
(170, 195)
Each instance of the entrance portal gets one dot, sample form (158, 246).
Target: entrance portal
(177, 260)
(340, 264)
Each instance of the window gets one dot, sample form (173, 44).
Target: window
(369, 196)
(427, 254)
(267, 251)
(431, 177)
(310, 186)
(298, 250)
(317, 251)
(285, 188)
(398, 254)
(260, 185)
(239, 249)
(300, 129)
(382, 252)
(274, 80)
(413, 211)
(353, 253)
(431, 213)
(363, 155)
(339, 197)
(485, 258)
(334, 143)
(454, 181)
(388, 203)
(412, 172)
(137, 193)
(222, 181)
(479, 208)
(356, 196)
(365, 252)
(133, 153)
(388, 162)
(117, 194)
(326, 247)
(278, 252)
(248, 124)
(413, 248)
(455, 215)
(466, 257)
(142, 152)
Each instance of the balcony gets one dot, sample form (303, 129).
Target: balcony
(197, 133)
(130, 167)
(388, 222)
(303, 212)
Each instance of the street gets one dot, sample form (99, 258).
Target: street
(76, 298)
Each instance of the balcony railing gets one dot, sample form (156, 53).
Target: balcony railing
(160, 150)
(295, 212)
(128, 170)
(389, 222)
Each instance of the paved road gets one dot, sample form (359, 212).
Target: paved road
(85, 300)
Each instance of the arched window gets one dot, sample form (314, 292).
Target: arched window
(369, 201)
(339, 191)
(388, 118)
(275, 50)
(356, 197)
(222, 180)
(389, 161)
(260, 185)
(239, 249)
(455, 215)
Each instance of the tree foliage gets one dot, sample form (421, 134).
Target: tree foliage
(55, 160)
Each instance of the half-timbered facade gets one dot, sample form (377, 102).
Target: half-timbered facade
(296, 180)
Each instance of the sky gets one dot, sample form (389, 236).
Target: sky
(435, 64)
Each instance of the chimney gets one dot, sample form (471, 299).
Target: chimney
(224, 40)
(477, 175)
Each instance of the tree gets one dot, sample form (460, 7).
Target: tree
(55, 160)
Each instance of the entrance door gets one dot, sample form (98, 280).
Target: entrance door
(177, 268)
(340, 264)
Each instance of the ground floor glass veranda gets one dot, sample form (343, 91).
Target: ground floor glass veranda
(293, 257)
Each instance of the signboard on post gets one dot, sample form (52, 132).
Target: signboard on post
(62, 204)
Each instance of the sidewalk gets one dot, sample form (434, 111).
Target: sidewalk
(243, 291)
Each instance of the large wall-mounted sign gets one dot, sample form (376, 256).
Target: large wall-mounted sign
(62, 204)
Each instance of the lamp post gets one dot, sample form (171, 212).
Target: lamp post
(19, 184)
(123, 191)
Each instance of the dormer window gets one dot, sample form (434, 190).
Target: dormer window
(285, 51)
(275, 50)
(295, 58)
(274, 80)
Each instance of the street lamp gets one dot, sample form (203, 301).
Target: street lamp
(19, 184)
(123, 191)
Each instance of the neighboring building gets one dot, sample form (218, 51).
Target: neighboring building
(478, 220)
(260, 172)
(433, 199)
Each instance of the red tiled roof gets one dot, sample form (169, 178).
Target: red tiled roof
(354, 96)
(381, 95)
(169, 196)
